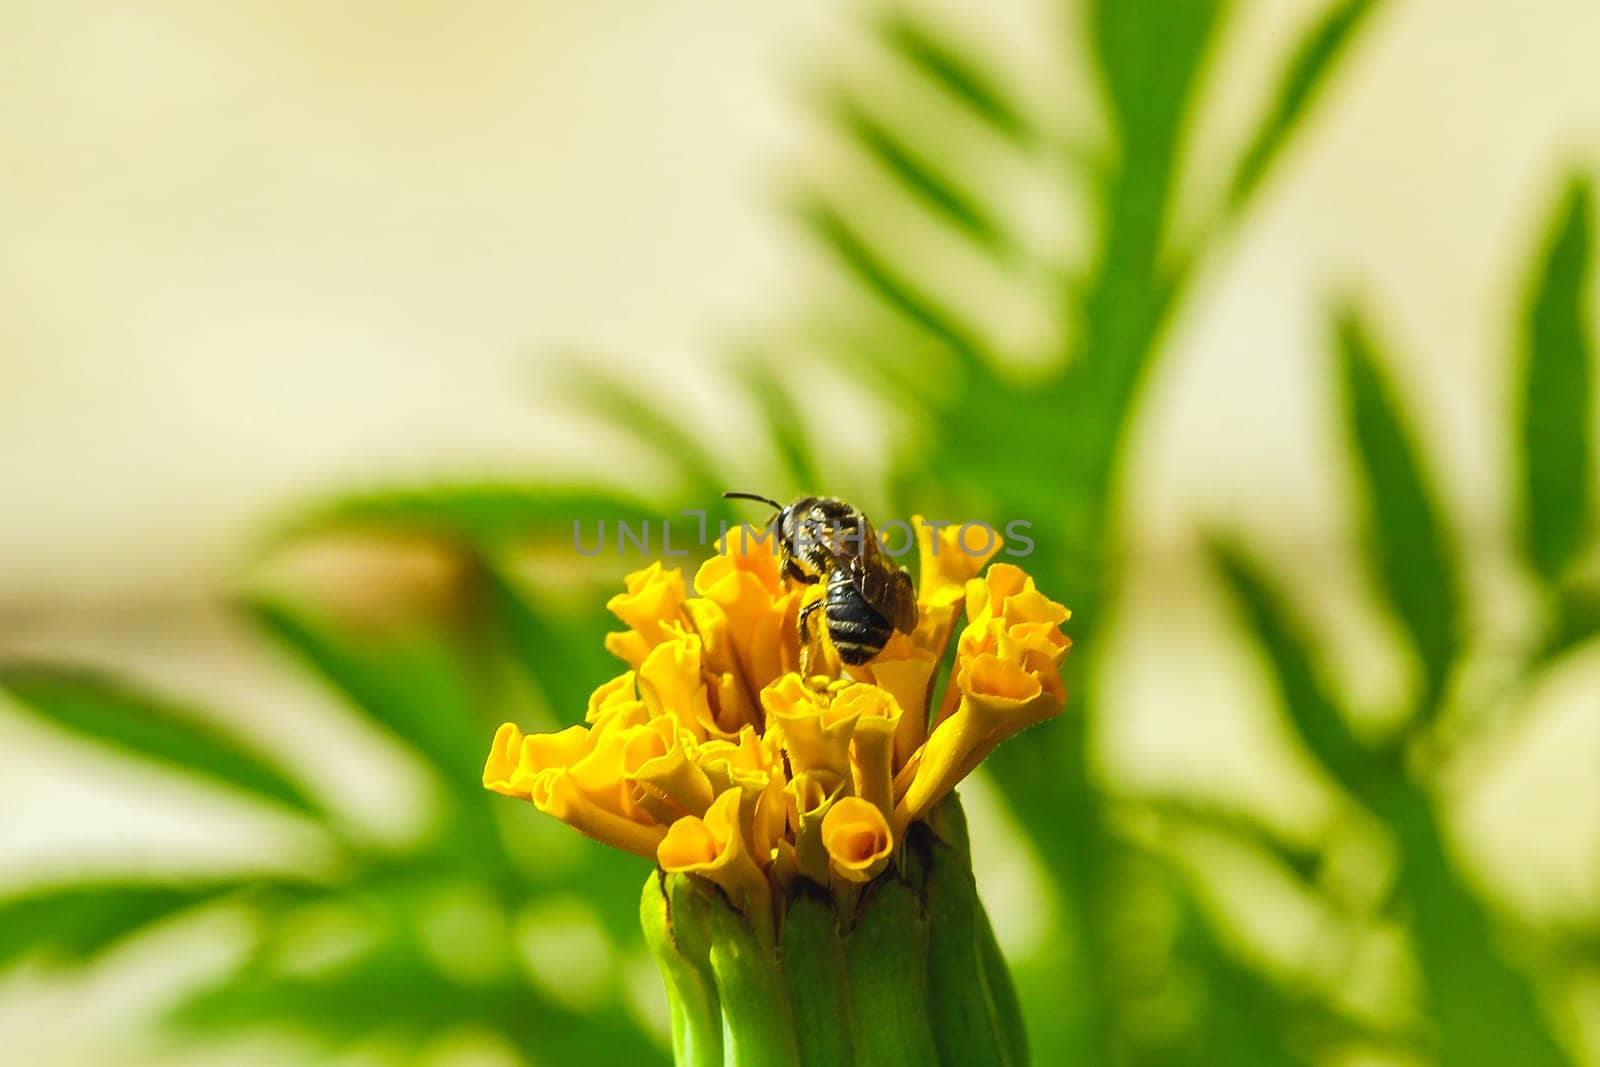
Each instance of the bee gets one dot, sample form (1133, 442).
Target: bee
(867, 596)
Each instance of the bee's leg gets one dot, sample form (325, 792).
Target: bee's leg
(791, 569)
(804, 624)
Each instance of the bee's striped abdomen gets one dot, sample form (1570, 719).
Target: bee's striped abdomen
(857, 630)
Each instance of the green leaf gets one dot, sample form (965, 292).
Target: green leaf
(785, 427)
(1316, 719)
(394, 991)
(1409, 548)
(486, 515)
(920, 177)
(957, 74)
(1203, 814)
(874, 269)
(1577, 620)
(1557, 392)
(1486, 1011)
(113, 713)
(1150, 56)
(1312, 61)
(562, 656)
(1243, 1016)
(413, 684)
(638, 415)
(78, 922)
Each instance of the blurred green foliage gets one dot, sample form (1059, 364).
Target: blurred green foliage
(1139, 973)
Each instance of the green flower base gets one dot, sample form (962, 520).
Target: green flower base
(903, 970)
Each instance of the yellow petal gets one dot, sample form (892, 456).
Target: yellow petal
(1007, 592)
(858, 839)
(948, 556)
(652, 606)
(689, 846)
(652, 599)
(618, 692)
(556, 794)
(746, 549)
(714, 847)
(560, 749)
(599, 774)
(1010, 619)
(667, 782)
(503, 756)
(810, 795)
(628, 646)
(789, 695)
(1001, 680)
(733, 708)
(771, 816)
(813, 738)
(877, 717)
(938, 764)
(710, 624)
(998, 698)
(670, 683)
(909, 679)
(758, 609)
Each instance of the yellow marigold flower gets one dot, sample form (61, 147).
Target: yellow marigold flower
(713, 755)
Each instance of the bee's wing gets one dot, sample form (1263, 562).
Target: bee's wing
(903, 601)
(888, 590)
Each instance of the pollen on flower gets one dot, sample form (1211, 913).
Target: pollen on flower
(712, 755)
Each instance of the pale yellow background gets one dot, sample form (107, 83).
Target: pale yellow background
(254, 251)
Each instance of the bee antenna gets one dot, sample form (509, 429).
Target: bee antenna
(752, 496)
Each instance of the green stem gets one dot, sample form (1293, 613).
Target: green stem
(677, 927)
(886, 957)
(975, 1013)
(963, 1014)
(813, 961)
(1002, 993)
(758, 1025)
(918, 981)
